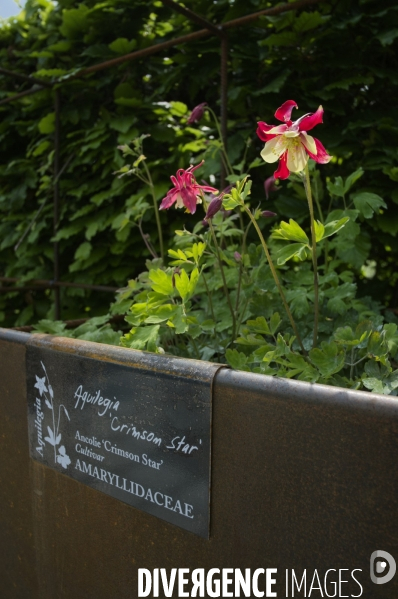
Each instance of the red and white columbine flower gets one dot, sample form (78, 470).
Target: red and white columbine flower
(186, 191)
(290, 143)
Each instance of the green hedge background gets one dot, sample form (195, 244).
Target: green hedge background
(340, 54)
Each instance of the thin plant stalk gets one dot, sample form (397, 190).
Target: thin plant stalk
(209, 296)
(307, 187)
(241, 262)
(148, 174)
(276, 278)
(217, 250)
(231, 309)
(226, 159)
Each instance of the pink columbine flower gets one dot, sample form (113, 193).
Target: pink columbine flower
(196, 113)
(290, 143)
(186, 191)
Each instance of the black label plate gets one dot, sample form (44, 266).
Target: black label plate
(141, 435)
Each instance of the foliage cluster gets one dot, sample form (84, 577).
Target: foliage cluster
(220, 297)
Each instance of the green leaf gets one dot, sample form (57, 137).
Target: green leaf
(377, 345)
(123, 124)
(291, 231)
(259, 325)
(179, 321)
(83, 251)
(275, 322)
(186, 285)
(368, 203)
(122, 45)
(161, 314)
(179, 255)
(319, 230)
(144, 337)
(193, 281)
(61, 46)
(299, 303)
(353, 178)
(346, 336)
(373, 384)
(74, 21)
(51, 327)
(234, 178)
(229, 203)
(286, 253)
(337, 188)
(237, 359)
(274, 86)
(334, 226)
(379, 378)
(47, 123)
(337, 305)
(161, 281)
(197, 251)
(308, 20)
(286, 38)
(182, 284)
(41, 148)
(387, 37)
(329, 359)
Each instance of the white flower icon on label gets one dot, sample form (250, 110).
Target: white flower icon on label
(62, 457)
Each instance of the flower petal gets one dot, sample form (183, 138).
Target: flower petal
(296, 158)
(278, 130)
(168, 200)
(206, 188)
(262, 131)
(309, 121)
(282, 172)
(321, 156)
(189, 199)
(273, 149)
(284, 112)
(308, 142)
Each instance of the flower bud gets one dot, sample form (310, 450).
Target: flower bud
(269, 185)
(268, 214)
(196, 113)
(214, 207)
(237, 256)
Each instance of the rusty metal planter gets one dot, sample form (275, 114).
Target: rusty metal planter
(303, 476)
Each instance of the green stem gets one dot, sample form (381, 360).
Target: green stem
(209, 297)
(228, 164)
(307, 187)
(316, 196)
(224, 280)
(276, 278)
(352, 363)
(155, 205)
(241, 262)
(195, 348)
(239, 285)
(240, 319)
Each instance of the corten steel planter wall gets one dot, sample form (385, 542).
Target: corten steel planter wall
(303, 476)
